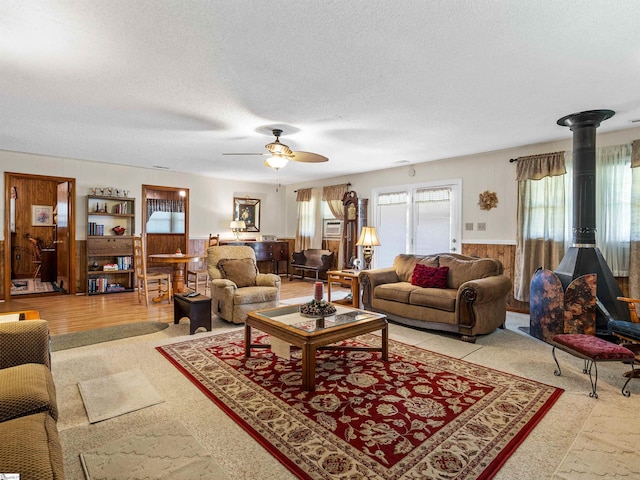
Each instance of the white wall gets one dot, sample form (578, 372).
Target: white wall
(487, 171)
(211, 199)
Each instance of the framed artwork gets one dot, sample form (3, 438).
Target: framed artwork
(41, 216)
(247, 210)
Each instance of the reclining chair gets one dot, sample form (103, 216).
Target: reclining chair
(236, 285)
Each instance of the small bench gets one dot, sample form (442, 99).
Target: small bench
(592, 350)
(312, 260)
(197, 309)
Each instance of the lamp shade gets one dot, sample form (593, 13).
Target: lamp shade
(276, 162)
(238, 225)
(368, 237)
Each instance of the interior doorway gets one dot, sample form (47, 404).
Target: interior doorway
(165, 220)
(39, 253)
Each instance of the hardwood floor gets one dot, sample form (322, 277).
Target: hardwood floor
(75, 313)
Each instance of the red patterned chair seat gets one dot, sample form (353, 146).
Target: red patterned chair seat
(592, 350)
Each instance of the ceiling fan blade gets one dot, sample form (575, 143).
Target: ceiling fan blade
(308, 157)
(246, 154)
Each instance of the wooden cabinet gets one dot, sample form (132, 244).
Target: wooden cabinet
(275, 252)
(109, 255)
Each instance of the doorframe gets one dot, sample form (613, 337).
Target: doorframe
(7, 227)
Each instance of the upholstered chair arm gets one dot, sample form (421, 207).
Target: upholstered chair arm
(222, 283)
(268, 280)
(370, 279)
(24, 341)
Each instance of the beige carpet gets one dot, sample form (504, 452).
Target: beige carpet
(569, 443)
(117, 394)
(166, 451)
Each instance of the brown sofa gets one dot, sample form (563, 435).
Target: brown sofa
(473, 302)
(29, 443)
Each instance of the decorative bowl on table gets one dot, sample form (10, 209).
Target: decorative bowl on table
(317, 309)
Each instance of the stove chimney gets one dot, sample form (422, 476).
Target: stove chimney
(584, 257)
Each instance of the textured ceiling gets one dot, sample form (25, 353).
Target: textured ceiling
(177, 83)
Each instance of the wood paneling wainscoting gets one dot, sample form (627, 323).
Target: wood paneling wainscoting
(507, 255)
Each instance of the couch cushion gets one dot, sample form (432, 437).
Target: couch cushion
(430, 277)
(31, 446)
(396, 292)
(241, 271)
(27, 389)
(461, 271)
(439, 298)
(404, 264)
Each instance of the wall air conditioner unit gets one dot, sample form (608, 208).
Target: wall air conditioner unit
(332, 229)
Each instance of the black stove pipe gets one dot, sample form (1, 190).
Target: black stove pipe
(583, 125)
(584, 257)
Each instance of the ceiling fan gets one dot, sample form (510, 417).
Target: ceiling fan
(279, 154)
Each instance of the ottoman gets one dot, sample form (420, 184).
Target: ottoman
(198, 309)
(592, 350)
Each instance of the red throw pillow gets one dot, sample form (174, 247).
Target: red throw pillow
(429, 277)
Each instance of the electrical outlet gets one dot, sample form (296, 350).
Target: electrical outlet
(482, 227)
(468, 226)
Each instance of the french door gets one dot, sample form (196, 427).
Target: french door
(421, 219)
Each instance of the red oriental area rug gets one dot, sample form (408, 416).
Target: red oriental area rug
(419, 415)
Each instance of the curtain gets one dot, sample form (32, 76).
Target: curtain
(634, 247)
(540, 216)
(161, 205)
(613, 206)
(309, 230)
(333, 195)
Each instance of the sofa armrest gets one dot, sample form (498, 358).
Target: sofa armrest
(370, 279)
(478, 292)
(268, 280)
(487, 289)
(23, 342)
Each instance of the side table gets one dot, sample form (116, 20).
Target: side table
(197, 309)
(345, 278)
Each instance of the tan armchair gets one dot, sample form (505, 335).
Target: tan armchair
(237, 287)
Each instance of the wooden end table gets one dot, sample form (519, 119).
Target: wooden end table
(345, 278)
(286, 323)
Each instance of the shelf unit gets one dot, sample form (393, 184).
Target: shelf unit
(106, 249)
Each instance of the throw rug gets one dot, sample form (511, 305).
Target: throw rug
(419, 415)
(158, 452)
(117, 394)
(25, 286)
(65, 341)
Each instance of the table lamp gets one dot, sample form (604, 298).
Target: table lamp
(368, 239)
(237, 227)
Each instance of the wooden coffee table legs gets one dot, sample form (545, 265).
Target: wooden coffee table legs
(309, 353)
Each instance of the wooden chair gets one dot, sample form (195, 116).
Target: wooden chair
(200, 274)
(627, 331)
(149, 282)
(36, 253)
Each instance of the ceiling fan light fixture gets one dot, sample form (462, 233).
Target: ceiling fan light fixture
(276, 162)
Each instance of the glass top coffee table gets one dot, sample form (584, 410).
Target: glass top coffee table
(311, 334)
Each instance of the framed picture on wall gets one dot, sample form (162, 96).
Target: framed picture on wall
(41, 216)
(247, 210)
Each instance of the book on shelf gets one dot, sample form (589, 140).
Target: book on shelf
(108, 267)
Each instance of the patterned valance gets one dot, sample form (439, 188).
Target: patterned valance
(334, 192)
(304, 195)
(535, 167)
